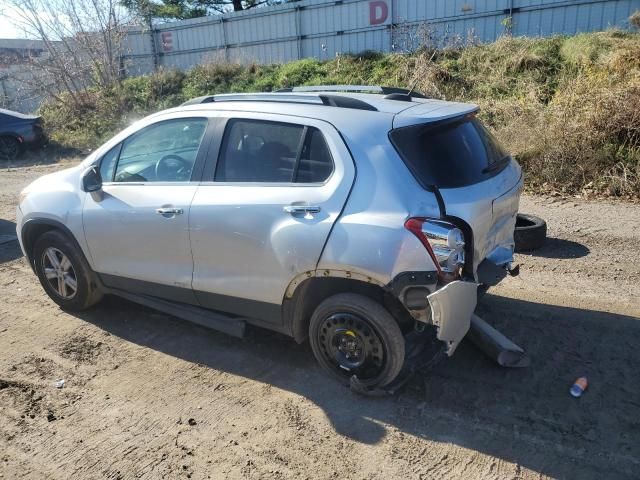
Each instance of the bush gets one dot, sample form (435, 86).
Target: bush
(568, 107)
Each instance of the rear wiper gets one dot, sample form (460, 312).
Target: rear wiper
(497, 165)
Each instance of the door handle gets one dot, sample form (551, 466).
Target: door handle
(299, 209)
(169, 211)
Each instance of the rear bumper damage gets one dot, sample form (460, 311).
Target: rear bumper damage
(451, 310)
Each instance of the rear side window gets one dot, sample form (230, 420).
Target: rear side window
(264, 151)
(450, 154)
(315, 164)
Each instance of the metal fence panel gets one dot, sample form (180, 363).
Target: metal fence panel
(324, 29)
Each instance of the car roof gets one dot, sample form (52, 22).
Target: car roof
(313, 105)
(19, 115)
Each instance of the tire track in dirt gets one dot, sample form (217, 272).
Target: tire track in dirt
(262, 409)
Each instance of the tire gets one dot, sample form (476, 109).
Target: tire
(363, 322)
(530, 232)
(9, 148)
(57, 245)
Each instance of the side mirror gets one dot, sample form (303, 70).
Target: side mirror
(91, 179)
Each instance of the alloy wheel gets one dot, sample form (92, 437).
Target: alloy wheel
(59, 272)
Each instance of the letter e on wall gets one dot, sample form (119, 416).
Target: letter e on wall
(378, 12)
(167, 41)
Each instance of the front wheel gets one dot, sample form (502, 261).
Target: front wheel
(354, 335)
(64, 273)
(9, 148)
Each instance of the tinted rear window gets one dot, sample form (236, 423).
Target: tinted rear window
(451, 154)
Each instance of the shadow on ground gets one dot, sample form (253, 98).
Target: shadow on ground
(525, 416)
(559, 249)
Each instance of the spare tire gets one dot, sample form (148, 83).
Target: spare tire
(530, 232)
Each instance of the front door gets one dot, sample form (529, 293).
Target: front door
(137, 227)
(265, 214)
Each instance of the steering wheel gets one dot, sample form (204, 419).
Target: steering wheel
(172, 167)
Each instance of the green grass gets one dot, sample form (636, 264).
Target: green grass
(568, 107)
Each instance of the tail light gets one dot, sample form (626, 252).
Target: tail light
(444, 242)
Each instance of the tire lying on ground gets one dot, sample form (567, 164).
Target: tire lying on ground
(530, 232)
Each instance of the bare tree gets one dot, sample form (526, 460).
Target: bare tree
(82, 42)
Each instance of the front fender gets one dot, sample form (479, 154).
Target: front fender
(56, 201)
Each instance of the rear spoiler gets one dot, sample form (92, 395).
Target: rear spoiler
(433, 111)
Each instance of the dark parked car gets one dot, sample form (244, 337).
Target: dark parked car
(19, 131)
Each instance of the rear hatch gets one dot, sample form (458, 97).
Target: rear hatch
(477, 181)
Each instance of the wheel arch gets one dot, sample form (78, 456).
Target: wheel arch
(301, 302)
(36, 227)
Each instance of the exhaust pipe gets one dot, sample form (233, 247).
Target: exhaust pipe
(495, 345)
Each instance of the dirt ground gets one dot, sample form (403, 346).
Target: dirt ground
(150, 396)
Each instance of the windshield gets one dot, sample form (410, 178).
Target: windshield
(450, 154)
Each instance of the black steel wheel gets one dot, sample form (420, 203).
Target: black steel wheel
(354, 335)
(9, 148)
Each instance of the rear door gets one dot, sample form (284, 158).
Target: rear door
(265, 208)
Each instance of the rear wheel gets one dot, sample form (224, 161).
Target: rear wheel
(9, 148)
(63, 272)
(354, 335)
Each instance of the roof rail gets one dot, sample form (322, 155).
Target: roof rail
(198, 100)
(354, 88)
(328, 100)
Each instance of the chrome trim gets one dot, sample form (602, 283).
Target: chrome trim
(169, 211)
(293, 209)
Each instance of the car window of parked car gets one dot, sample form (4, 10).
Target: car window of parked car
(108, 163)
(162, 152)
(265, 151)
(316, 164)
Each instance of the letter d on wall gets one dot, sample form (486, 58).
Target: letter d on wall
(378, 12)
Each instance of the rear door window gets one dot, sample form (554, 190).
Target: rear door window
(272, 152)
(316, 163)
(258, 151)
(450, 154)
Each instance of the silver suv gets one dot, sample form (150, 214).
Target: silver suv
(352, 219)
